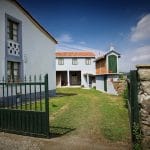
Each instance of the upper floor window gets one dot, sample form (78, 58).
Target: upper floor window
(13, 71)
(74, 61)
(12, 30)
(60, 61)
(88, 61)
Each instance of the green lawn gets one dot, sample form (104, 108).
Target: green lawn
(90, 114)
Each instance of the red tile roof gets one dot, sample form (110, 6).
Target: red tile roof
(75, 54)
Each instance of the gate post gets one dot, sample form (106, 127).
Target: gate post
(144, 103)
(134, 102)
(47, 104)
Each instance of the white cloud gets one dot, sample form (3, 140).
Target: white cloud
(65, 38)
(130, 59)
(142, 29)
(140, 58)
(142, 54)
(82, 42)
(66, 44)
(77, 47)
(124, 65)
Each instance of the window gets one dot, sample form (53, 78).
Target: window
(12, 30)
(13, 71)
(112, 64)
(88, 61)
(74, 61)
(60, 61)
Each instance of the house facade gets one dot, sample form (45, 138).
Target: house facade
(26, 48)
(75, 69)
(107, 71)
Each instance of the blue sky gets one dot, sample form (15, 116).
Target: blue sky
(96, 24)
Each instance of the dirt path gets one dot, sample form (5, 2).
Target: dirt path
(18, 142)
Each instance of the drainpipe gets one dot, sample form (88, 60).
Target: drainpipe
(68, 78)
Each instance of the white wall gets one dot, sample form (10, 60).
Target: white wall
(110, 87)
(39, 49)
(81, 66)
(100, 83)
(2, 40)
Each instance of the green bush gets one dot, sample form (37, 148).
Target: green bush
(121, 77)
(125, 96)
(125, 93)
(138, 136)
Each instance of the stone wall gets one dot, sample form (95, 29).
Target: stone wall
(120, 86)
(144, 103)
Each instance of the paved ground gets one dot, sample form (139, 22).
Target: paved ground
(18, 142)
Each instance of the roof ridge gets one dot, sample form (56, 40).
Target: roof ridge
(74, 51)
(76, 54)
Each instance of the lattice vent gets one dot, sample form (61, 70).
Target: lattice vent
(13, 48)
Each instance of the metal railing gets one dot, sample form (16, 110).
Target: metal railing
(24, 106)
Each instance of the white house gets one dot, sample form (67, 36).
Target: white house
(26, 48)
(75, 68)
(107, 71)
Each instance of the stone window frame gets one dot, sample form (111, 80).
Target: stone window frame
(18, 59)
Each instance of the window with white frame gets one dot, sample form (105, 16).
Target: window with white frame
(60, 61)
(74, 61)
(12, 30)
(88, 61)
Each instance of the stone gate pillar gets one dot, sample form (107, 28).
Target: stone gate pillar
(144, 103)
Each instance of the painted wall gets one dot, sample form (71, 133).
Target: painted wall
(38, 49)
(110, 87)
(100, 83)
(81, 66)
(2, 40)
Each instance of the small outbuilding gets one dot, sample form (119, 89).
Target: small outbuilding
(107, 71)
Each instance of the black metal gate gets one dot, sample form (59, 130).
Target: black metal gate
(24, 107)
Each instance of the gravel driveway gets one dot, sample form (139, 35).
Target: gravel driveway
(18, 142)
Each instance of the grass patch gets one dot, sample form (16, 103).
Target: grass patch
(91, 113)
(114, 119)
(88, 114)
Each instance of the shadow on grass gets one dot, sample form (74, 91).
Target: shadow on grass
(59, 131)
(65, 94)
